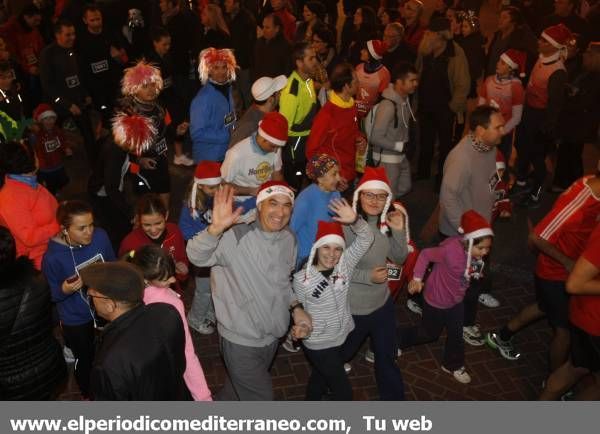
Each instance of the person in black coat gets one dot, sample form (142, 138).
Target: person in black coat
(140, 354)
(472, 43)
(272, 52)
(31, 362)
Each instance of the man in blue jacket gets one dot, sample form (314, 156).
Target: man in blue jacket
(212, 113)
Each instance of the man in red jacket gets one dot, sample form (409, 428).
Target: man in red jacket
(335, 129)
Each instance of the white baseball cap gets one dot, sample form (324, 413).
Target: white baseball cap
(264, 87)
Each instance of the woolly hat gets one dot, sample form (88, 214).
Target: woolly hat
(327, 233)
(376, 48)
(375, 178)
(43, 111)
(271, 188)
(559, 36)
(206, 173)
(319, 165)
(140, 75)
(264, 87)
(274, 128)
(516, 60)
(211, 56)
(133, 133)
(473, 225)
(398, 206)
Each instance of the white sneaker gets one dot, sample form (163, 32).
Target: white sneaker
(68, 355)
(183, 160)
(205, 328)
(472, 335)
(347, 367)
(414, 307)
(461, 375)
(289, 344)
(488, 300)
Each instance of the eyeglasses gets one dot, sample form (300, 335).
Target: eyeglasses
(381, 197)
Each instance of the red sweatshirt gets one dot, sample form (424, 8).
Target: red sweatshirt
(334, 132)
(173, 244)
(25, 46)
(49, 148)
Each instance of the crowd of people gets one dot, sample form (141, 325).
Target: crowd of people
(303, 124)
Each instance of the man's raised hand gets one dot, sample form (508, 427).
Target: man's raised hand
(223, 214)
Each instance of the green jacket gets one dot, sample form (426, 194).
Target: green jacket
(298, 104)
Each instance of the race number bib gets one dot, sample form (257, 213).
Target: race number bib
(93, 260)
(229, 119)
(98, 67)
(161, 147)
(52, 145)
(493, 182)
(72, 81)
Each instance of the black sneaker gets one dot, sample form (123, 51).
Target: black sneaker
(520, 188)
(532, 201)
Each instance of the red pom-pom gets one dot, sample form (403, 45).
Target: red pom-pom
(134, 133)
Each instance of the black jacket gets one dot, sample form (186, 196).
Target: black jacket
(243, 36)
(140, 357)
(184, 29)
(31, 360)
(61, 78)
(272, 58)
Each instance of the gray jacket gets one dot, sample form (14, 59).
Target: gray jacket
(250, 281)
(390, 130)
(468, 183)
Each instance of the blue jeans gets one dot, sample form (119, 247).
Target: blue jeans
(380, 325)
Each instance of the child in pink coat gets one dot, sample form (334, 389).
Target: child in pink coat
(158, 269)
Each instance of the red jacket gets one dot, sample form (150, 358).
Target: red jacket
(334, 132)
(30, 215)
(26, 46)
(289, 24)
(49, 148)
(173, 244)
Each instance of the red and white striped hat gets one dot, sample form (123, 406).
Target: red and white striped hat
(274, 128)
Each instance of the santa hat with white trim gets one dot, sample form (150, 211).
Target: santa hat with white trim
(376, 48)
(516, 60)
(500, 162)
(274, 128)
(327, 233)
(558, 36)
(473, 225)
(271, 188)
(375, 178)
(207, 173)
(398, 206)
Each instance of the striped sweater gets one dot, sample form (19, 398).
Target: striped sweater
(325, 299)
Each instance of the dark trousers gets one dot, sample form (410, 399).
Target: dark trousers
(293, 158)
(327, 374)
(505, 147)
(569, 165)
(430, 329)
(434, 125)
(380, 325)
(80, 339)
(531, 147)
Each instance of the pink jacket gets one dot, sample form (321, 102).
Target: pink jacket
(194, 375)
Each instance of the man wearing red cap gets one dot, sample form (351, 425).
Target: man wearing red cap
(544, 99)
(257, 158)
(252, 293)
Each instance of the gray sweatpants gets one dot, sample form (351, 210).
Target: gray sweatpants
(249, 378)
(399, 176)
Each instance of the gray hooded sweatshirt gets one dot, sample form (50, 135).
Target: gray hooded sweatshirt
(386, 136)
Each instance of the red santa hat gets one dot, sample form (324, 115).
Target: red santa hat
(376, 48)
(271, 188)
(43, 111)
(398, 206)
(207, 173)
(211, 56)
(327, 233)
(516, 60)
(375, 178)
(473, 225)
(274, 128)
(133, 133)
(559, 36)
(500, 163)
(140, 75)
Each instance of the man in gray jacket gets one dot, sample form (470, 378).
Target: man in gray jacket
(469, 182)
(390, 131)
(251, 286)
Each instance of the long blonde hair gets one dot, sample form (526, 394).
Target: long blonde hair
(215, 18)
